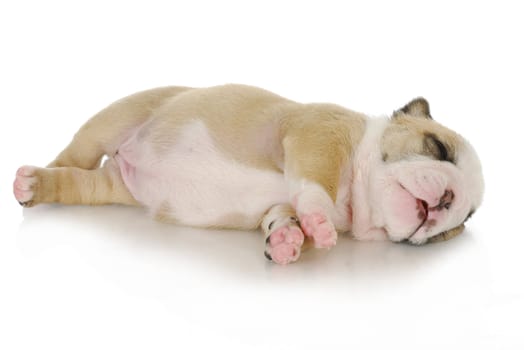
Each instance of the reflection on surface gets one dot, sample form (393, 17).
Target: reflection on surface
(123, 231)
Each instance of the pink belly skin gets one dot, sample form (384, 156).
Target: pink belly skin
(198, 184)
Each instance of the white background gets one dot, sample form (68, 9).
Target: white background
(110, 278)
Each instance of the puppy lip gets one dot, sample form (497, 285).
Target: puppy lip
(423, 213)
(423, 209)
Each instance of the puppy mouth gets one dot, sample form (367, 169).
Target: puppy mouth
(423, 213)
(424, 210)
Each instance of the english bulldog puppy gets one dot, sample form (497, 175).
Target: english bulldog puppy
(241, 157)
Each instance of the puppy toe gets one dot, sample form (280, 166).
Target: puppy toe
(318, 227)
(24, 185)
(284, 244)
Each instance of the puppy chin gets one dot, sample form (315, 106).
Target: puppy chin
(417, 238)
(405, 237)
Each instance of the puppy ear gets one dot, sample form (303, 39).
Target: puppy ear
(419, 107)
(444, 236)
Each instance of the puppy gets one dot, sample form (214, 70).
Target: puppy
(237, 156)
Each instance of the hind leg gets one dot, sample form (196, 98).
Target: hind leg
(284, 237)
(98, 136)
(70, 185)
(103, 133)
(83, 152)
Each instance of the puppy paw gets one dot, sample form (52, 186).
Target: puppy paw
(284, 243)
(24, 186)
(318, 227)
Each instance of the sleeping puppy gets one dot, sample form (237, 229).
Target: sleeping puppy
(237, 156)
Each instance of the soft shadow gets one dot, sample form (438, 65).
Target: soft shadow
(227, 252)
(132, 226)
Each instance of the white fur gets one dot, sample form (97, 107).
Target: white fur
(385, 194)
(469, 162)
(200, 185)
(367, 156)
(420, 178)
(197, 184)
(308, 197)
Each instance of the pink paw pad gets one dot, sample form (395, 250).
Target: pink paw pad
(318, 227)
(284, 243)
(23, 185)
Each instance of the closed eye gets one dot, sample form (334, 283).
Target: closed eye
(442, 150)
(438, 148)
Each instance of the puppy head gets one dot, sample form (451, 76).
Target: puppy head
(428, 182)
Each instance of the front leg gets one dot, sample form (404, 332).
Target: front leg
(314, 208)
(316, 148)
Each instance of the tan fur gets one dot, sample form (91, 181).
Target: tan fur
(163, 214)
(70, 185)
(405, 135)
(249, 117)
(318, 140)
(446, 235)
(313, 142)
(418, 107)
(318, 137)
(104, 132)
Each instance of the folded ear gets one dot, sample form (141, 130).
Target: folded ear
(418, 107)
(444, 236)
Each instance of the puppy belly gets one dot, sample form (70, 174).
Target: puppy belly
(195, 184)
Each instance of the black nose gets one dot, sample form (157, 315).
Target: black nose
(446, 200)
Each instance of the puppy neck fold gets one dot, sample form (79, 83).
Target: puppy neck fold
(367, 156)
